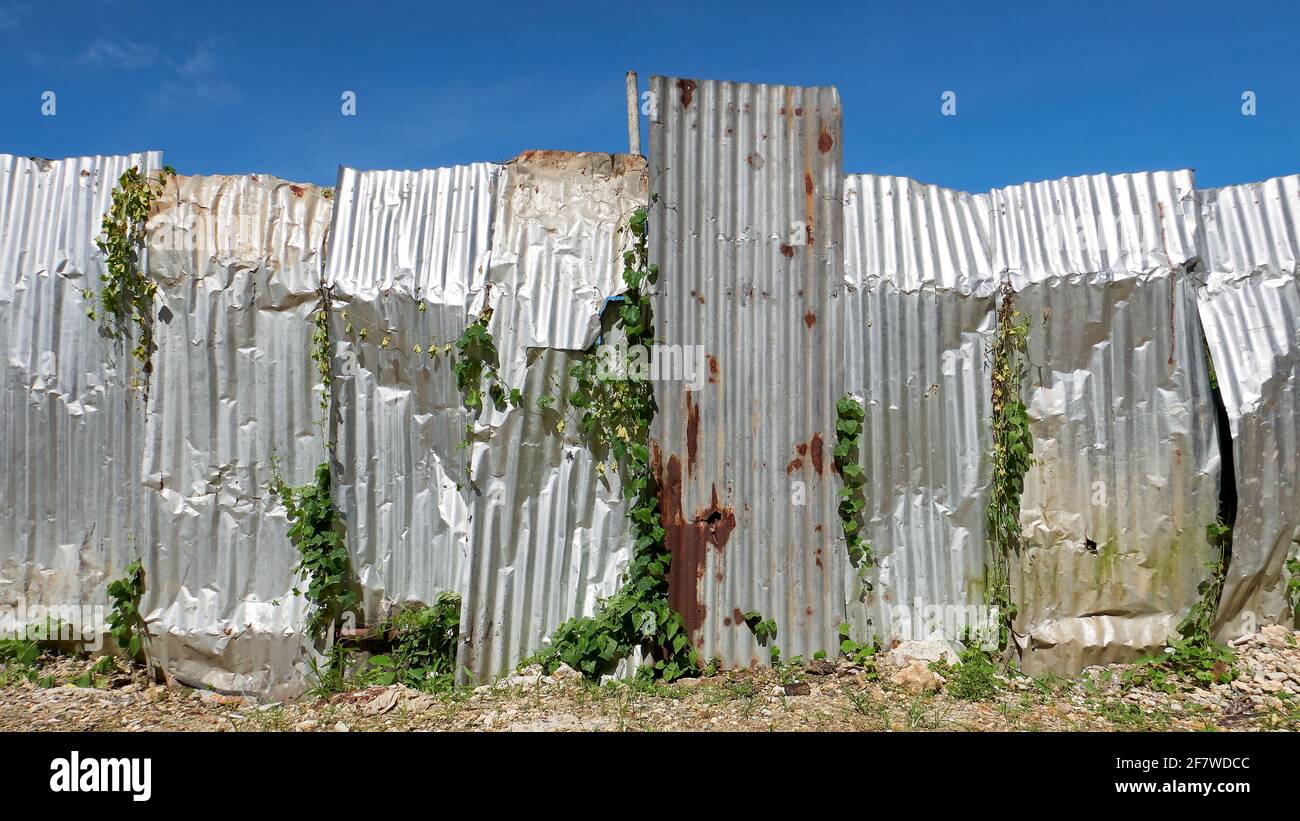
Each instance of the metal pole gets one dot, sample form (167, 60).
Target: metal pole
(633, 117)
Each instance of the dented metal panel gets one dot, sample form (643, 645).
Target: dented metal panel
(406, 248)
(518, 521)
(747, 232)
(1126, 468)
(549, 533)
(918, 315)
(237, 261)
(557, 248)
(1249, 302)
(70, 424)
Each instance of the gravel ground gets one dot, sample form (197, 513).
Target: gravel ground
(820, 696)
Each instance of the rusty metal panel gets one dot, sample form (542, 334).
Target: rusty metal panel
(71, 426)
(918, 314)
(747, 232)
(1127, 465)
(238, 263)
(1249, 302)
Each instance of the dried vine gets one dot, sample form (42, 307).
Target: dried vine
(1013, 447)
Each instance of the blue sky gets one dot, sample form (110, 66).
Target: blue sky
(1047, 90)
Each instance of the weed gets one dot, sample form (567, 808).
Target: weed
(975, 678)
(126, 625)
(424, 647)
(764, 630)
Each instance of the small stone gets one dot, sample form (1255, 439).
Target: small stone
(798, 688)
(566, 673)
(341, 728)
(306, 725)
(916, 678)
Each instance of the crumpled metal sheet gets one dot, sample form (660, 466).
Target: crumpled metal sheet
(520, 523)
(70, 424)
(1249, 303)
(238, 263)
(918, 316)
(1126, 468)
(405, 251)
(557, 250)
(747, 233)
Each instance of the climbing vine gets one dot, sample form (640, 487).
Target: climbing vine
(323, 559)
(127, 294)
(315, 527)
(1013, 447)
(848, 432)
(616, 414)
(476, 370)
(323, 357)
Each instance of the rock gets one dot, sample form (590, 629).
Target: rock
(306, 725)
(341, 728)
(798, 688)
(916, 678)
(383, 702)
(932, 649)
(565, 673)
(821, 667)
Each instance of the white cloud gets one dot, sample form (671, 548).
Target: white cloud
(122, 54)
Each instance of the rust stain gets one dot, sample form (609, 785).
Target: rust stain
(692, 433)
(689, 542)
(817, 557)
(787, 250)
(815, 452)
(713, 369)
(810, 319)
(297, 190)
(825, 141)
(802, 448)
(687, 88)
(798, 112)
(795, 464)
(808, 195)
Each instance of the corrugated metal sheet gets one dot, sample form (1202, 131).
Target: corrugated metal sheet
(1127, 466)
(1249, 303)
(747, 233)
(531, 535)
(238, 265)
(405, 251)
(549, 534)
(918, 314)
(70, 425)
(748, 228)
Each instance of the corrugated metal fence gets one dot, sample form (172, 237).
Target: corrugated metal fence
(797, 285)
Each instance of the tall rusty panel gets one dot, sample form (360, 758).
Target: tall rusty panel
(747, 230)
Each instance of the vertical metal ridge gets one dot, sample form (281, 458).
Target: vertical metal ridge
(748, 233)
